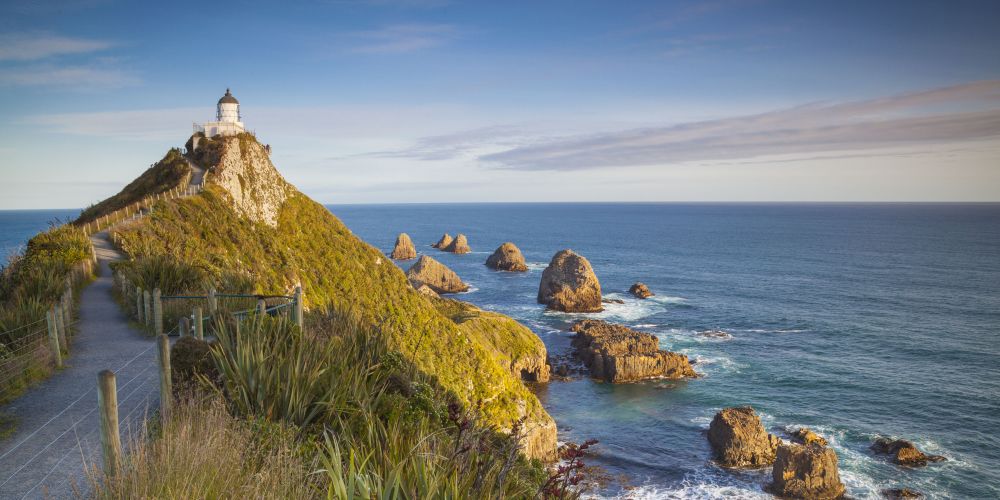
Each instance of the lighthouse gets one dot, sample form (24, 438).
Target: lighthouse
(228, 120)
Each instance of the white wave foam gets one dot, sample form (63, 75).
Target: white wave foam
(536, 266)
(645, 325)
(666, 299)
(708, 365)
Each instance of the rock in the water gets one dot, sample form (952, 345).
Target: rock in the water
(903, 452)
(443, 242)
(436, 276)
(641, 290)
(458, 245)
(715, 334)
(901, 493)
(612, 301)
(804, 435)
(426, 290)
(616, 353)
(739, 439)
(507, 257)
(404, 248)
(806, 471)
(569, 284)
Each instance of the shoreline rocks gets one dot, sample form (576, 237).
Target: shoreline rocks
(458, 245)
(507, 257)
(617, 354)
(403, 250)
(569, 284)
(436, 276)
(804, 435)
(903, 452)
(640, 290)
(900, 493)
(806, 471)
(738, 439)
(443, 242)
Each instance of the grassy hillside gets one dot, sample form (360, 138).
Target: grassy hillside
(168, 173)
(466, 351)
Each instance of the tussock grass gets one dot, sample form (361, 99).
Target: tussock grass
(170, 172)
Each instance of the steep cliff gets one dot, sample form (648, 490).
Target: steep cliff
(250, 219)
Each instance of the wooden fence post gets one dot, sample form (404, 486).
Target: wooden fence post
(138, 305)
(147, 308)
(297, 307)
(261, 307)
(199, 328)
(54, 338)
(60, 327)
(166, 391)
(107, 403)
(157, 312)
(213, 302)
(67, 304)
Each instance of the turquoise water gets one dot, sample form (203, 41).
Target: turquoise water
(856, 320)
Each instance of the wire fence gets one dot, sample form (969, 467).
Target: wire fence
(137, 209)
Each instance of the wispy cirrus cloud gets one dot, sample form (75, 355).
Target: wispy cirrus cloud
(42, 45)
(67, 76)
(942, 115)
(401, 38)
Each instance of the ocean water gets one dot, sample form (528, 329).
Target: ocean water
(854, 320)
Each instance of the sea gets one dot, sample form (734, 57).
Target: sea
(856, 320)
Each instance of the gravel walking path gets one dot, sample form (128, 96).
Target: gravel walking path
(57, 432)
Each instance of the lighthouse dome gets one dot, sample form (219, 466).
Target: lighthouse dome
(228, 98)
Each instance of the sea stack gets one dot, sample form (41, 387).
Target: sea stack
(903, 452)
(507, 257)
(458, 245)
(435, 275)
(806, 471)
(404, 249)
(739, 439)
(569, 284)
(616, 353)
(641, 291)
(443, 242)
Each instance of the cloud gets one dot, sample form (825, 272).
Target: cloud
(67, 76)
(401, 38)
(35, 46)
(957, 113)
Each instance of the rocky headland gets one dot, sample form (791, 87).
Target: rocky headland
(616, 353)
(507, 257)
(569, 284)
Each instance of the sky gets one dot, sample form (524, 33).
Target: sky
(414, 101)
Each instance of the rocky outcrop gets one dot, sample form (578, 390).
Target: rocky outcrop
(426, 290)
(255, 188)
(540, 440)
(532, 369)
(436, 276)
(507, 257)
(903, 452)
(458, 245)
(569, 284)
(615, 353)
(443, 242)
(804, 435)
(404, 249)
(806, 471)
(738, 439)
(901, 493)
(640, 290)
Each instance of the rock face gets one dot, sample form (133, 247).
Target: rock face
(256, 189)
(426, 290)
(569, 284)
(616, 353)
(404, 248)
(804, 435)
(458, 245)
(806, 471)
(739, 439)
(435, 276)
(507, 257)
(443, 242)
(640, 290)
(903, 452)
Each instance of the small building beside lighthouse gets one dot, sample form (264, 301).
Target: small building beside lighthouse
(228, 120)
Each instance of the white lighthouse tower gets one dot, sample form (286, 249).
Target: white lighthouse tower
(228, 120)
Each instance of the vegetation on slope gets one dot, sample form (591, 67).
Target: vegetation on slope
(170, 172)
(308, 245)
